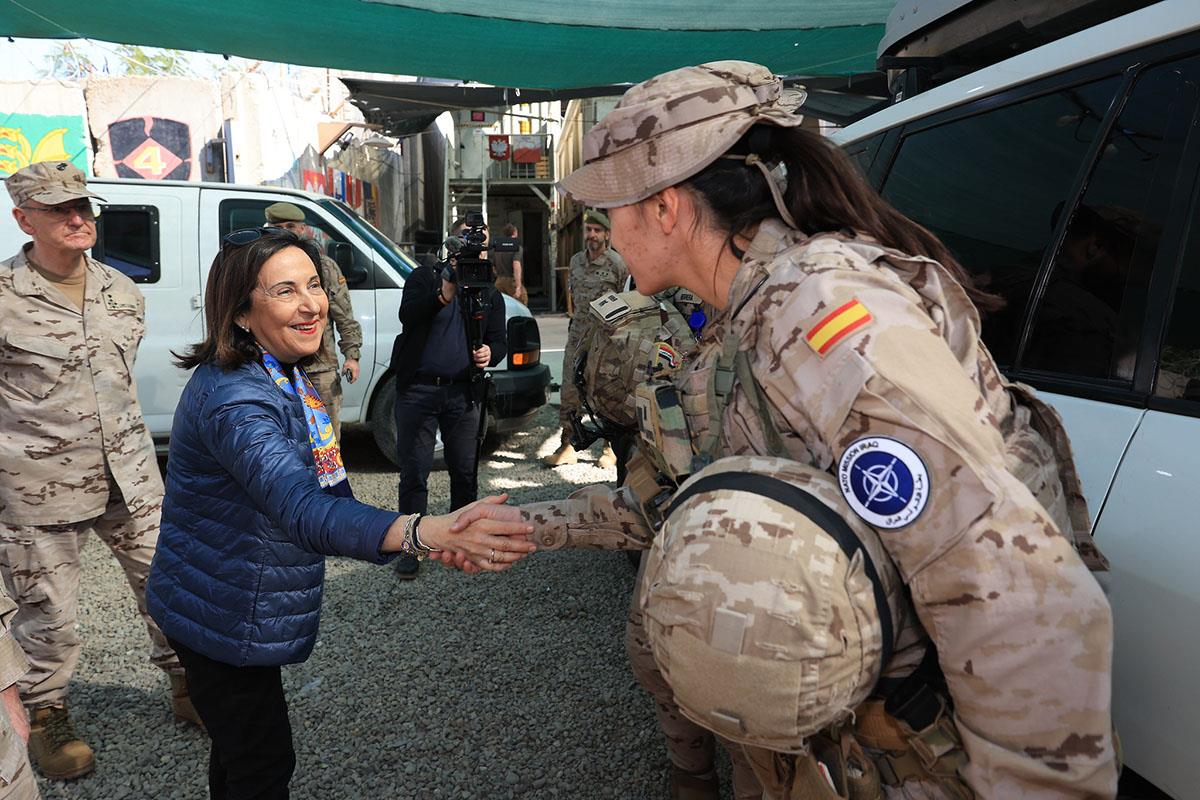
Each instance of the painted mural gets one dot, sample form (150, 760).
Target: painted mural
(32, 138)
(152, 148)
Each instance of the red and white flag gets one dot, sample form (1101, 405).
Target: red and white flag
(498, 148)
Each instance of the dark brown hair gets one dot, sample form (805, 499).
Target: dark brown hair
(825, 193)
(231, 279)
(510, 230)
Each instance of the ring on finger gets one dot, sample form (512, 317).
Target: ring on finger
(492, 557)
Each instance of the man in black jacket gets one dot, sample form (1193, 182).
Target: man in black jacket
(432, 363)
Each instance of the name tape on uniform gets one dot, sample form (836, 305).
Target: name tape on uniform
(837, 325)
(884, 481)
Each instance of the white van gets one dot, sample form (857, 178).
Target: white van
(1066, 180)
(165, 234)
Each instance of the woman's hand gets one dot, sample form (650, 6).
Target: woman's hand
(486, 536)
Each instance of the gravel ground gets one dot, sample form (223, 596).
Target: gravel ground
(449, 686)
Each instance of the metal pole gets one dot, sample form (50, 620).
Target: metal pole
(483, 176)
(446, 188)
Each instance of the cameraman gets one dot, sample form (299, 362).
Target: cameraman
(433, 366)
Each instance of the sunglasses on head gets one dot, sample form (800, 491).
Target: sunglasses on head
(247, 235)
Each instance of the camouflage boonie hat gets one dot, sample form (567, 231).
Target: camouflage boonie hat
(48, 182)
(769, 606)
(673, 125)
(631, 337)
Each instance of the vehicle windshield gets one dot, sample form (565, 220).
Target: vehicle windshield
(401, 261)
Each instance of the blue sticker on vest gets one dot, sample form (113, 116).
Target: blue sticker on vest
(884, 481)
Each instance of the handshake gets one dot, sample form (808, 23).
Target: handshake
(486, 536)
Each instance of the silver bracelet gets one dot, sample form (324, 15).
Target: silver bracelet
(407, 542)
(422, 548)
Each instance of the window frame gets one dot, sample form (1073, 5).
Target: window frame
(324, 225)
(1168, 261)
(99, 249)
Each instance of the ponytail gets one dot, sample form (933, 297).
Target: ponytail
(825, 193)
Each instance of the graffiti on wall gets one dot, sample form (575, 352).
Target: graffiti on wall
(153, 148)
(32, 138)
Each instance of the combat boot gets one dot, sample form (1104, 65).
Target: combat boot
(54, 747)
(563, 455)
(690, 786)
(607, 459)
(181, 701)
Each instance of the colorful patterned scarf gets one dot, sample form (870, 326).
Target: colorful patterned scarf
(328, 457)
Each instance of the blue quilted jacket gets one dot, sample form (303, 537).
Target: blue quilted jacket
(240, 563)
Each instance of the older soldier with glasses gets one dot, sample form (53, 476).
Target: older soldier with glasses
(77, 455)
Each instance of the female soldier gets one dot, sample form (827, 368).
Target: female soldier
(846, 338)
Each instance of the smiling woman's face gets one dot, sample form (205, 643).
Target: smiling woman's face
(288, 307)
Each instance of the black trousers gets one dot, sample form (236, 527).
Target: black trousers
(246, 715)
(420, 411)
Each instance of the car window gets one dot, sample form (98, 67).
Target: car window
(988, 186)
(239, 213)
(863, 152)
(127, 241)
(1089, 320)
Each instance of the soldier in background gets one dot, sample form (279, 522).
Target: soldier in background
(76, 454)
(323, 371)
(510, 269)
(594, 271)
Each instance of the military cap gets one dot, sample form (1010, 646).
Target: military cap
(48, 182)
(597, 218)
(668, 128)
(284, 212)
(770, 608)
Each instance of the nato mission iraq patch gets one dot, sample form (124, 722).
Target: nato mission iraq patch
(837, 325)
(884, 481)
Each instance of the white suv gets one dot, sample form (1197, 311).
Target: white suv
(1066, 180)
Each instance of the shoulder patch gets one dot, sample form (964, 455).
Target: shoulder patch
(884, 481)
(666, 356)
(837, 325)
(609, 306)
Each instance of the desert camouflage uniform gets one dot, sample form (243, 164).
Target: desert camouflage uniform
(16, 776)
(586, 281)
(76, 457)
(1022, 629)
(323, 369)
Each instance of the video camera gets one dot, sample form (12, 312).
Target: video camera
(464, 265)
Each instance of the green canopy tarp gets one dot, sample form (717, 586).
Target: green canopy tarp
(528, 43)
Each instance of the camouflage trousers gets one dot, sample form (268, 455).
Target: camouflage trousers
(690, 747)
(40, 566)
(568, 395)
(328, 384)
(23, 785)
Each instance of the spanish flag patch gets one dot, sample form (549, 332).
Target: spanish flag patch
(837, 325)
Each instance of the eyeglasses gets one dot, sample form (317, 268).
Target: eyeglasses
(245, 236)
(64, 211)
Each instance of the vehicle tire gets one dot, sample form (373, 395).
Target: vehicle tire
(383, 418)
(383, 424)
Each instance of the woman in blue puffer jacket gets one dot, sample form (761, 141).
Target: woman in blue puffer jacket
(257, 496)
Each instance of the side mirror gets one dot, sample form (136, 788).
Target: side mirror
(342, 254)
